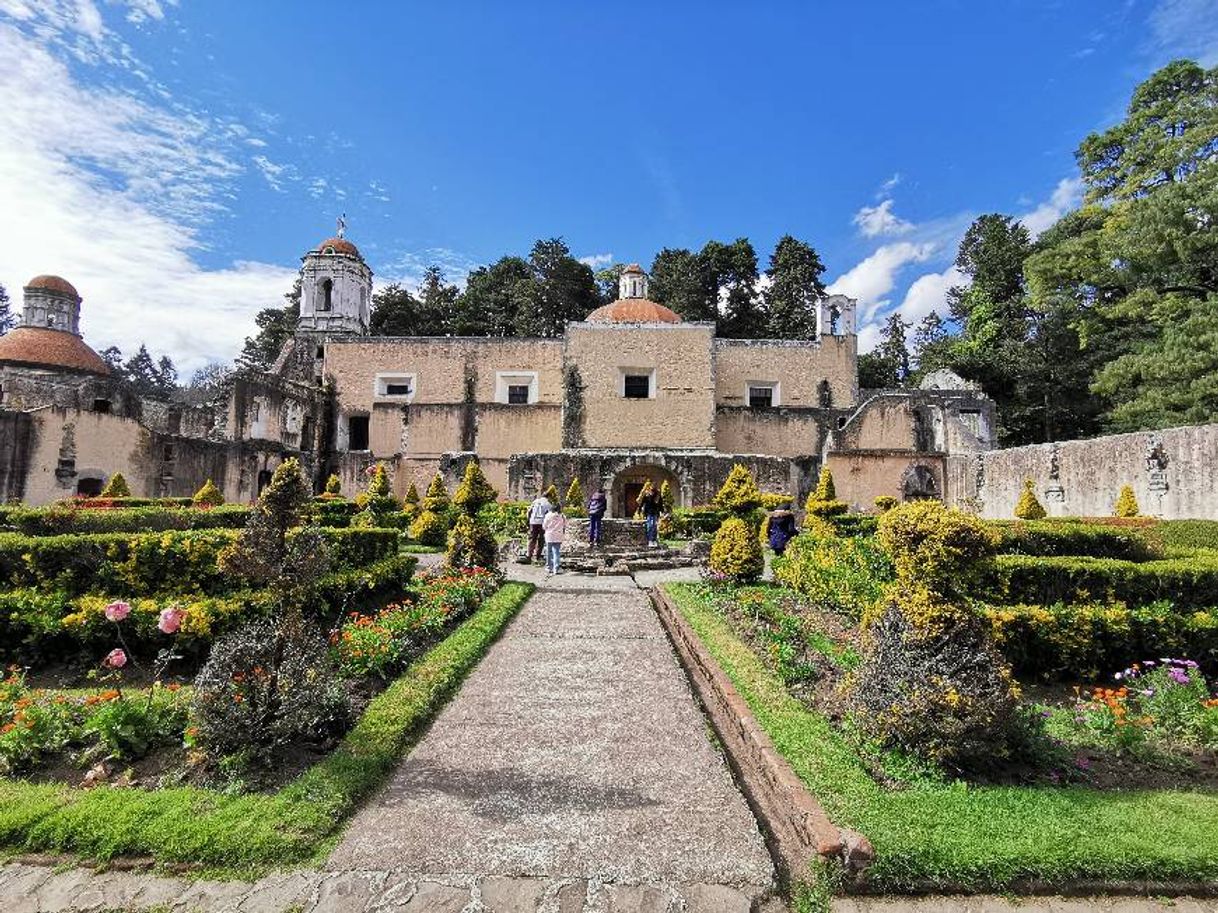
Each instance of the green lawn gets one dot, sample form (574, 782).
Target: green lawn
(979, 837)
(247, 835)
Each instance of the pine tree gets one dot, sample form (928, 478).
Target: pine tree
(794, 290)
(117, 487)
(7, 320)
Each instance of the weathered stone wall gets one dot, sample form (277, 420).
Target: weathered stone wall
(862, 476)
(16, 451)
(1174, 474)
(681, 412)
(799, 367)
(782, 431)
(70, 445)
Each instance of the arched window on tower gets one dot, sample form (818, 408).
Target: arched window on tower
(327, 293)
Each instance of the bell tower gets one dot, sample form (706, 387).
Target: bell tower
(335, 287)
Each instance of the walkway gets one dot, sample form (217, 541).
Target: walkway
(574, 755)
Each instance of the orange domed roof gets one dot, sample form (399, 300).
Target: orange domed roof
(47, 348)
(53, 284)
(634, 310)
(338, 246)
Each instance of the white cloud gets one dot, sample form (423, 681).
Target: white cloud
(1185, 28)
(115, 203)
(874, 221)
(1066, 196)
(929, 293)
(596, 261)
(874, 278)
(889, 185)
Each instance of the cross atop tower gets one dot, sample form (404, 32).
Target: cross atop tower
(342, 225)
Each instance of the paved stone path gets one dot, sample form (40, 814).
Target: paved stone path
(989, 904)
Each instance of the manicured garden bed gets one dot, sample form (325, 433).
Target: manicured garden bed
(246, 834)
(930, 831)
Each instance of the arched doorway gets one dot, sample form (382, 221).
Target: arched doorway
(628, 485)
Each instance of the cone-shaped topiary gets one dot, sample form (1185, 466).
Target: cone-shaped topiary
(822, 501)
(551, 494)
(334, 485)
(412, 494)
(1029, 508)
(739, 494)
(436, 499)
(575, 499)
(470, 545)
(378, 484)
(666, 502)
(117, 487)
(380, 505)
(428, 528)
(885, 503)
(474, 490)
(736, 554)
(1126, 504)
(208, 496)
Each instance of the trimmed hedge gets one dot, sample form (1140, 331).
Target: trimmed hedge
(144, 564)
(1087, 641)
(41, 625)
(55, 521)
(1048, 538)
(1190, 583)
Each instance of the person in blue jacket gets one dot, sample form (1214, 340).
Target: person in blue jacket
(782, 530)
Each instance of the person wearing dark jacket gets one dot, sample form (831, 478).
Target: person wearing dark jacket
(782, 530)
(650, 505)
(597, 505)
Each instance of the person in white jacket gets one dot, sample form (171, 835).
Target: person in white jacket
(537, 514)
(555, 529)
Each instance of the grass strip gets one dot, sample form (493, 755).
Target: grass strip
(969, 836)
(243, 836)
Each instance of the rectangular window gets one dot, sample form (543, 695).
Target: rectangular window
(637, 386)
(516, 388)
(395, 386)
(761, 397)
(357, 432)
(397, 389)
(518, 394)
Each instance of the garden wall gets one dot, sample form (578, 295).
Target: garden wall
(1173, 472)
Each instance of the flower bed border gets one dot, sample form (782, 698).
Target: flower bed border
(799, 831)
(240, 836)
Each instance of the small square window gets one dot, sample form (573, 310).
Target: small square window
(518, 394)
(637, 386)
(395, 386)
(761, 397)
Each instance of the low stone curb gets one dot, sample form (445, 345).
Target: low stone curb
(798, 829)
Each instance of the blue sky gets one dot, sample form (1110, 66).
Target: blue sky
(174, 160)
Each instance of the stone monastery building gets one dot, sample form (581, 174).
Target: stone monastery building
(630, 393)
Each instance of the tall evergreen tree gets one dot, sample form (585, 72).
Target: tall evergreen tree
(395, 312)
(794, 289)
(608, 282)
(275, 327)
(679, 281)
(562, 289)
(732, 272)
(7, 319)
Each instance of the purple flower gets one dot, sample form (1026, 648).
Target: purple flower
(1046, 713)
(1119, 676)
(1083, 762)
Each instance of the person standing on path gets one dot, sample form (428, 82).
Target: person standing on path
(537, 514)
(650, 505)
(555, 529)
(782, 530)
(597, 505)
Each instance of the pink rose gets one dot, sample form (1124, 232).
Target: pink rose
(117, 611)
(171, 620)
(115, 659)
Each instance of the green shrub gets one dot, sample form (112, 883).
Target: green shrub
(475, 491)
(58, 520)
(885, 503)
(1187, 582)
(1126, 503)
(1049, 538)
(1087, 641)
(471, 545)
(938, 547)
(117, 487)
(697, 522)
(736, 554)
(506, 518)
(739, 495)
(852, 524)
(379, 504)
(336, 512)
(845, 575)
(429, 528)
(208, 496)
(1028, 507)
(1185, 533)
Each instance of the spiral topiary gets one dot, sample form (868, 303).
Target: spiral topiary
(822, 501)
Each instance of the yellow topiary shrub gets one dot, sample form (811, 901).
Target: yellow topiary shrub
(471, 545)
(736, 554)
(822, 501)
(436, 499)
(1127, 503)
(575, 499)
(474, 491)
(208, 496)
(117, 487)
(429, 528)
(1029, 508)
(739, 495)
(885, 503)
(934, 545)
(334, 486)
